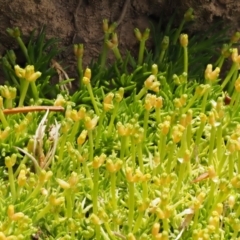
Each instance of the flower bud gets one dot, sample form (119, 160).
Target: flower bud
(155, 228)
(60, 101)
(105, 25)
(189, 16)
(165, 43)
(90, 124)
(138, 34)
(108, 102)
(78, 50)
(146, 34)
(235, 37)
(95, 219)
(119, 94)
(82, 137)
(155, 69)
(22, 178)
(184, 40)
(10, 161)
(63, 184)
(98, 161)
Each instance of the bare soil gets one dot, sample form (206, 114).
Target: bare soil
(80, 21)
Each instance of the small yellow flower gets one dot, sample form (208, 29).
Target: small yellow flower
(108, 102)
(98, 161)
(235, 56)
(237, 84)
(159, 102)
(78, 50)
(150, 101)
(63, 184)
(211, 75)
(22, 178)
(235, 37)
(155, 69)
(60, 101)
(20, 72)
(149, 81)
(82, 137)
(90, 124)
(88, 73)
(184, 40)
(82, 113)
(28, 73)
(119, 94)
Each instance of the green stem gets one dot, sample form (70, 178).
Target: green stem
(220, 61)
(185, 56)
(190, 103)
(195, 220)
(199, 133)
(88, 174)
(104, 51)
(12, 184)
(34, 91)
(162, 53)
(172, 147)
(162, 146)
(210, 197)
(23, 92)
(142, 92)
(177, 34)
(68, 197)
(43, 212)
(113, 190)
(133, 153)
(223, 160)
(238, 161)
(204, 101)
(36, 191)
(219, 142)
(62, 145)
(138, 223)
(130, 205)
(9, 103)
(158, 115)
(24, 49)
(180, 178)
(232, 83)
(3, 119)
(236, 105)
(74, 131)
(80, 71)
(211, 145)
(140, 161)
(231, 165)
(123, 147)
(145, 124)
(165, 224)
(117, 54)
(109, 231)
(99, 129)
(189, 135)
(235, 234)
(95, 191)
(229, 75)
(233, 98)
(90, 139)
(141, 52)
(95, 199)
(89, 88)
(111, 124)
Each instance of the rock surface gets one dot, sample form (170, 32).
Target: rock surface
(79, 21)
